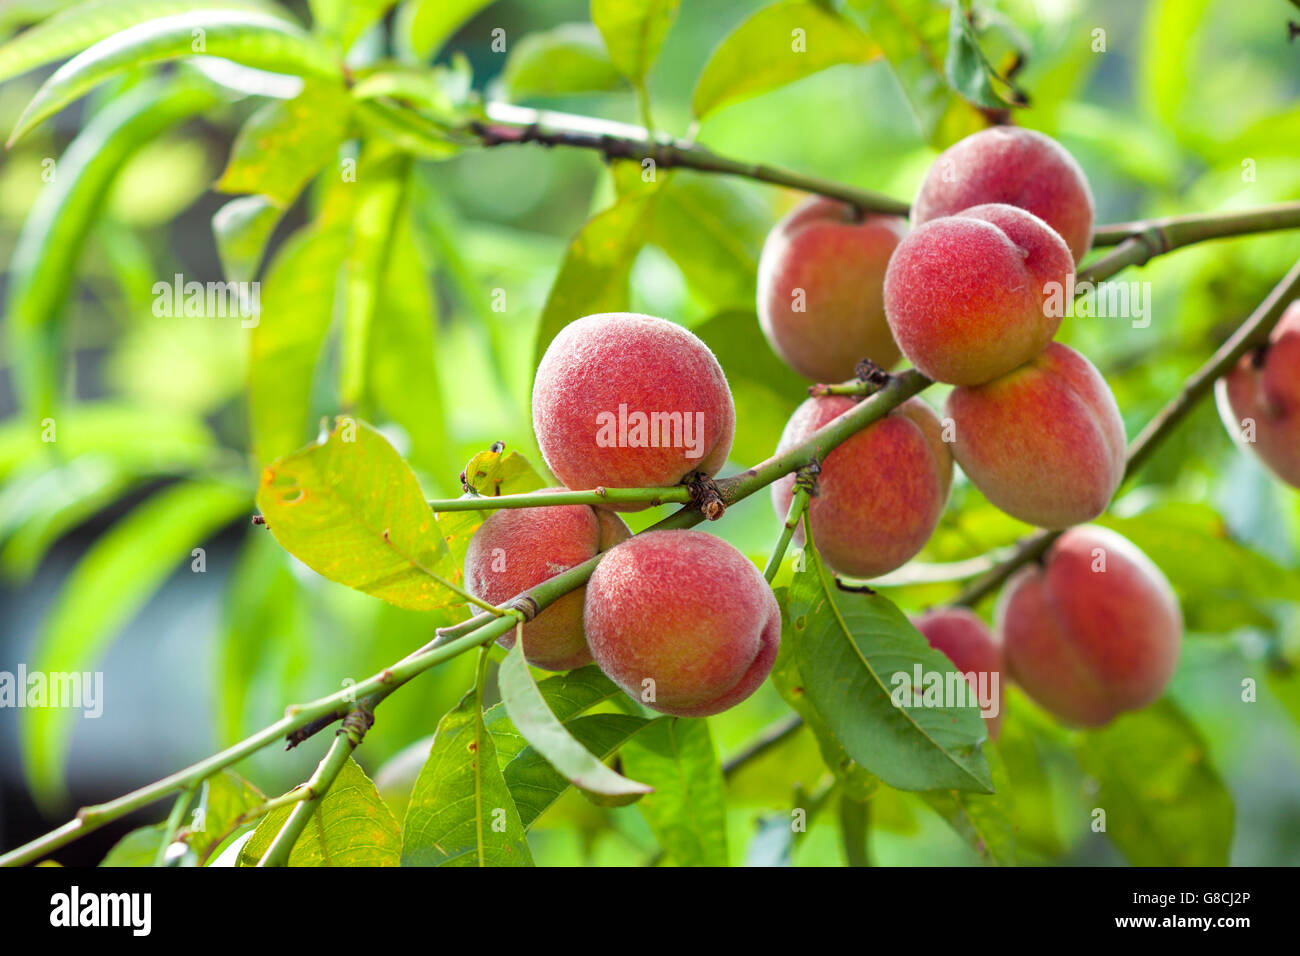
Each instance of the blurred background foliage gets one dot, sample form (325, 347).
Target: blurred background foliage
(1171, 106)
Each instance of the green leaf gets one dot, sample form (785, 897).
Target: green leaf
(687, 810)
(766, 52)
(351, 510)
(570, 58)
(138, 848)
(965, 65)
(914, 37)
(283, 145)
(633, 31)
(789, 683)
(536, 785)
(423, 26)
(566, 695)
(985, 821)
(106, 589)
(461, 812)
(345, 20)
(714, 232)
(595, 271)
(383, 177)
(83, 25)
(242, 228)
(851, 650)
(1165, 804)
(42, 271)
(252, 39)
(544, 732)
(351, 826)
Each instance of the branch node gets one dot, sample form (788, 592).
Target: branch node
(869, 373)
(705, 495)
(525, 605)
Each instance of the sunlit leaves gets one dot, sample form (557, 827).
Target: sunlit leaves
(287, 142)
(350, 826)
(242, 228)
(633, 31)
(849, 647)
(779, 44)
(251, 39)
(423, 26)
(352, 510)
(568, 59)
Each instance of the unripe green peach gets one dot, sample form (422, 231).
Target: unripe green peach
(1044, 443)
(1260, 399)
(880, 494)
(1093, 631)
(682, 621)
(821, 283)
(518, 548)
(971, 296)
(1020, 167)
(623, 400)
(966, 641)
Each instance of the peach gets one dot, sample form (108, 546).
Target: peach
(966, 641)
(1093, 631)
(682, 621)
(515, 549)
(1260, 399)
(821, 286)
(623, 400)
(1044, 443)
(879, 494)
(971, 296)
(1020, 167)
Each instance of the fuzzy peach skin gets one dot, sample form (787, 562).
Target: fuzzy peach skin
(1020, 167)
(518, 548)
(880, 494)
(1044, 443)
(967, 296)
(645, 365)
(1093, 631)
(966, 641)
(1263, 391)
(686, 611)
(834, 260)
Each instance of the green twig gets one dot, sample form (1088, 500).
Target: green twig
(677, 494)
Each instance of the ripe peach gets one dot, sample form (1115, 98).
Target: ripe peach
(1020, 167)
(967, 642)
(515, 549)
(623, 400)
(1260, 399)
(821, 284)
(1093, 631)
(880, 494)
(1044, 443)
(682, 621)
(967, 295)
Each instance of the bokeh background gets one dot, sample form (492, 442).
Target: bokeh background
(1192, 106)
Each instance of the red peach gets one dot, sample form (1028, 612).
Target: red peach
(682, 621)
(623, 400)
(966, 641)
(821, 281)
(1093, 631)
(968, 296)
(1044, 443)
(515, 549)
(879, 494)
(1020, 167)
(1260, 399)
